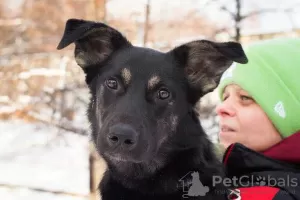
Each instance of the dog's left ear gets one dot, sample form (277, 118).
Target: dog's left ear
(205, 61)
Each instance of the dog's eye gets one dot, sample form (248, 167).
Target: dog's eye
(111, 83)
(163, 94)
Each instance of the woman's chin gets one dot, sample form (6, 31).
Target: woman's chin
(227, 138)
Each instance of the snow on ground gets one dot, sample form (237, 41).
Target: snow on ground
(44, 158)
(27, 194)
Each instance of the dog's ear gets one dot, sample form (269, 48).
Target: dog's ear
(94, 41)
(205, 61)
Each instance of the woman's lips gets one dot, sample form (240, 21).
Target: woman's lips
(225, 128)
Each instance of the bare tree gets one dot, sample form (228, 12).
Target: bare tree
(237, 17)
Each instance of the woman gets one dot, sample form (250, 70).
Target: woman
(260, 122)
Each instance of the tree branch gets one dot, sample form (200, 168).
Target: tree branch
(232, 14)
(65, 127)
(258, 12)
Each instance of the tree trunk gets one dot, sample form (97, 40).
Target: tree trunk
(146, 28)
(238, 20)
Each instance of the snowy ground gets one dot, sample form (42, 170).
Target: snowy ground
(24, 193)
(42, 162)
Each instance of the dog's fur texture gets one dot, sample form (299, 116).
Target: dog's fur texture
(142, 109)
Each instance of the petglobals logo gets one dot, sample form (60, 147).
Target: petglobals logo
(247, 181)
(192, 186)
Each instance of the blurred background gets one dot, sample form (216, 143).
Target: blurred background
(45, 150)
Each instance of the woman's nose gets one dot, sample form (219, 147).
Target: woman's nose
(225, 108)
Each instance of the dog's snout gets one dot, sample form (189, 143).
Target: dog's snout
(122, 135)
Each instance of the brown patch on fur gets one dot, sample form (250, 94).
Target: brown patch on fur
(154, 80)
(126, 74)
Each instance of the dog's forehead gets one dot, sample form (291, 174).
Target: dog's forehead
(146, 64)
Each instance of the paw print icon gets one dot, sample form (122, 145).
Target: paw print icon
(259, 180)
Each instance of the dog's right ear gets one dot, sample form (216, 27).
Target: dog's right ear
(94, 42)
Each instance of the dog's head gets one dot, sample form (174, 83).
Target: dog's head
(142, 100)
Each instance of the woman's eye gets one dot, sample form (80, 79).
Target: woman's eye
(224, 98)
(245, 98)
(163, 94)
(111, 83)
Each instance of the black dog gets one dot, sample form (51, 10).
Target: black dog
(142, 109)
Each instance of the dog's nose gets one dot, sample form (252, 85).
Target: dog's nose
(122, 135)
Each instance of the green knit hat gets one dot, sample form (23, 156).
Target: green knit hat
(272, 78)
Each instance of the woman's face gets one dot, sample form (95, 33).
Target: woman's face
(242, 120)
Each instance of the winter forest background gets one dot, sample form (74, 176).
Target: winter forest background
(44, 144)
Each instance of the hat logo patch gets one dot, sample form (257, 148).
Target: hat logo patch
(279, 109)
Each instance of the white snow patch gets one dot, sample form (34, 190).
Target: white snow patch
(43, 157)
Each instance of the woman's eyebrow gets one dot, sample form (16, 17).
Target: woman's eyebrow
(241, 90)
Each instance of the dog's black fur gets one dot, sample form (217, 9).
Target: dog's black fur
(142, 109)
